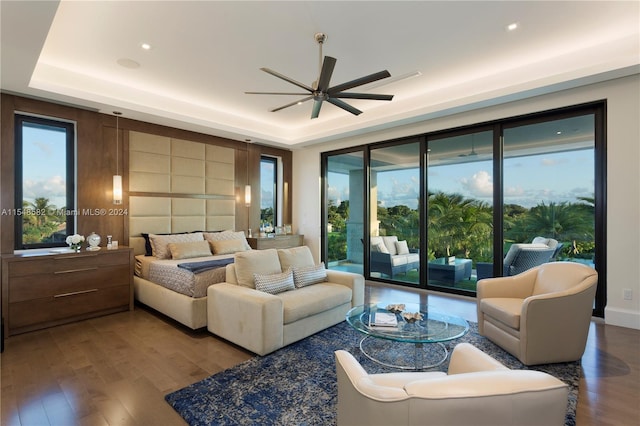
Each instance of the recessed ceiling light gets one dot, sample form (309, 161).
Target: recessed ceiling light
(513, 26)
(146, 46)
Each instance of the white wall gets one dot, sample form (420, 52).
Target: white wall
(623, 178)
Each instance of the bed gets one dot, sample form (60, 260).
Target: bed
(170, 286)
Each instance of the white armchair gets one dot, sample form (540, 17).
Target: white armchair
(476, 390)
(541, 315)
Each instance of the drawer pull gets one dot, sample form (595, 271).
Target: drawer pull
(68, 271)
(74, 293)
(75, 256)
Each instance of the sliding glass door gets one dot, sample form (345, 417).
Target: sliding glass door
(442, 210)
(549, 192)
(344, 211)
(459, 208)
(394, 215)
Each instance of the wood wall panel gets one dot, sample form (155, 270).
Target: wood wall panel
(96, 139)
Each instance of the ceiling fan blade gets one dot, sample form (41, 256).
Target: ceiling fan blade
(358, 82)
(316, 108)
(287, 79)
(373, 96)
(275, 93)
(345, 106)
(328, 65)
(292, 104)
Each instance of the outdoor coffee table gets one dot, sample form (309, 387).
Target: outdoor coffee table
(383, 344)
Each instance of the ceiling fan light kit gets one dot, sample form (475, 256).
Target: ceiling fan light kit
(320, 91)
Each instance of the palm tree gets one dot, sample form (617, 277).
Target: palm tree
(40, 221)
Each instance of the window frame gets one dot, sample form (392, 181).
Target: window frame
(20, 119)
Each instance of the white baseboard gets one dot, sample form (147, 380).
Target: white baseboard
(622, 317)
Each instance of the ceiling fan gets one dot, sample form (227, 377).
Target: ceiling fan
(320, 90)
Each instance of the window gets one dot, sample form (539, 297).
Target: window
(461, 198)
(268, 191)
(44, 182)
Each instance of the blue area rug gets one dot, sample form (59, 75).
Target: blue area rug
(296, 385)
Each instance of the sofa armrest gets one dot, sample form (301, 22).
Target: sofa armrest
(354, 281)
(250, 318)
(377, 256)
(466, 358)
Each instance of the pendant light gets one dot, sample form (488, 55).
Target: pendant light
(117, 178)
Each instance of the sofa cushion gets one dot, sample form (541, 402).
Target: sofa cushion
(390, 242)
(309, 275)
(274, 283)
(252, 262)
(308, 301)
(379, 248)
(402, 247)
(505, 310)
(295, 257)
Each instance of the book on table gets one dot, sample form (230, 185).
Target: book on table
(383, 319)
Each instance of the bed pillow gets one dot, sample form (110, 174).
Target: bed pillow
(227, 246)
(295, 257)
(309, 275)
(227, 235)
(274, 283)
(250, 262)
(189, 249)
(160, 243)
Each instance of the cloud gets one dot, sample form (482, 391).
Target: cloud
(479, 185)
(53, 188)
(552, 162)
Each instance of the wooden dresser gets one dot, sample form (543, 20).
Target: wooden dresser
(279, 241)
(44, 290)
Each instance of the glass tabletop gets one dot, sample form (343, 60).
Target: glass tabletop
(433, 327)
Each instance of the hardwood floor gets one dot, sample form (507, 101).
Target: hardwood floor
(115, 370)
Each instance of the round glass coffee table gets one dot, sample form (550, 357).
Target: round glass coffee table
(407, 345)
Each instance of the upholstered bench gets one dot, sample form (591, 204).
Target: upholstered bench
(272, 298)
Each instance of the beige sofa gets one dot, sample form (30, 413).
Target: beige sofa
(263, 322)
(476, 390)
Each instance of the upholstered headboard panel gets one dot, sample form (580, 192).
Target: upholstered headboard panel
(178, 186)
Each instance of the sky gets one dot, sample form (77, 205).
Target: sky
(44, 165)
(529, 181)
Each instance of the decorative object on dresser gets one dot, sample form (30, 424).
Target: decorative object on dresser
(75, 242)
(44, 289)
(277, 242)
(94, 242)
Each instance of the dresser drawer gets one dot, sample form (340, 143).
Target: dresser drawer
(65, 306)
(25, 287)
(63, 263)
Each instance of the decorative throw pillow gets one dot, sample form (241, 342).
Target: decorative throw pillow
(390, 243)
(401, 247)
(274, 283)
(379, 248)
(227, 235)
(227, 246)
(295, 257)
(189, 249)
(252, 262)
(308, 275)
(160, 243)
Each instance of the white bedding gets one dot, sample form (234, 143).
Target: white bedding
(166, 273)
